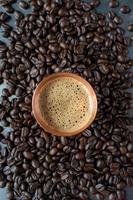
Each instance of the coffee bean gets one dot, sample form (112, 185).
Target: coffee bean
(129, 181)
(121, 194)
(54, 48)
(5, 123)
(18, 92)
(93, 190)
(113, 3)
(130, 170)
(34, 73)
(111, 14)
(5, 2)
(130, 27)
(8, 8)
(27, 99)
(23, 4)
(99, 197)
(116, 138)
(48, 187)
(40, 170)
(64, 45)
(5, 92)
(35, 163)
(53, 151)
(112, 196)
(3, 47)
(87, 133)
(98, 39)
(24, 131)
(100, 164)
(95, 3)
(4, 17)
(18, 15)
(79, 156)
(28, 155)
(100, 187)
(5, 33)
(40, 142)
(83, 195)
(130, 146)
(2, 184)
(118, 20)
(125, 9)
(121, 185)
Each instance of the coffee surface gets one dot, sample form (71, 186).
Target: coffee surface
(64, 104)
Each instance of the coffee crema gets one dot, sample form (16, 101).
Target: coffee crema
(64, 104)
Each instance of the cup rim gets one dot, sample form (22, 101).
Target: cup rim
(42, 122)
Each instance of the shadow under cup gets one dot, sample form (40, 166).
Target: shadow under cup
(64, 104)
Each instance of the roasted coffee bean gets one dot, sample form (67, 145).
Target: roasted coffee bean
(5, 33)
(113, 3)
(40, 143)
(116, 138)
(118, 20)
(48, 187)
(24, 130)
(53, 151)
(125, 9)
(121, 185)
(23, 4)
(111, 14)
(4, 17)
(99, 196)
(28, 155)
(34, 72)
(5, 92)
(98, 39)
(3, 47)
(83, 195)
(79, 156)
(2, 184)
(112, 196)
(18, 15)
(27, 99)
(95, 3)
(100, 164)
(5, 123)
(18, 92)
(121, 194)
(130, 27)
(5, 2)
(87, 133)
(100, 187)
(93, 190)
(130, 146)
(35, 163)
(8, 8)
(129, 181)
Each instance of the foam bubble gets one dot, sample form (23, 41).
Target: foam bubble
(64, 104)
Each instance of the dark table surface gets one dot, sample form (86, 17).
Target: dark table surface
(127, 18)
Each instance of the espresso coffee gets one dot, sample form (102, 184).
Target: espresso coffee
(64, 104)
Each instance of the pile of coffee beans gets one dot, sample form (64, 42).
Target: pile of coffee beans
(71, 36)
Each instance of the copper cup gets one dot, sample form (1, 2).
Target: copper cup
(36, 109)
